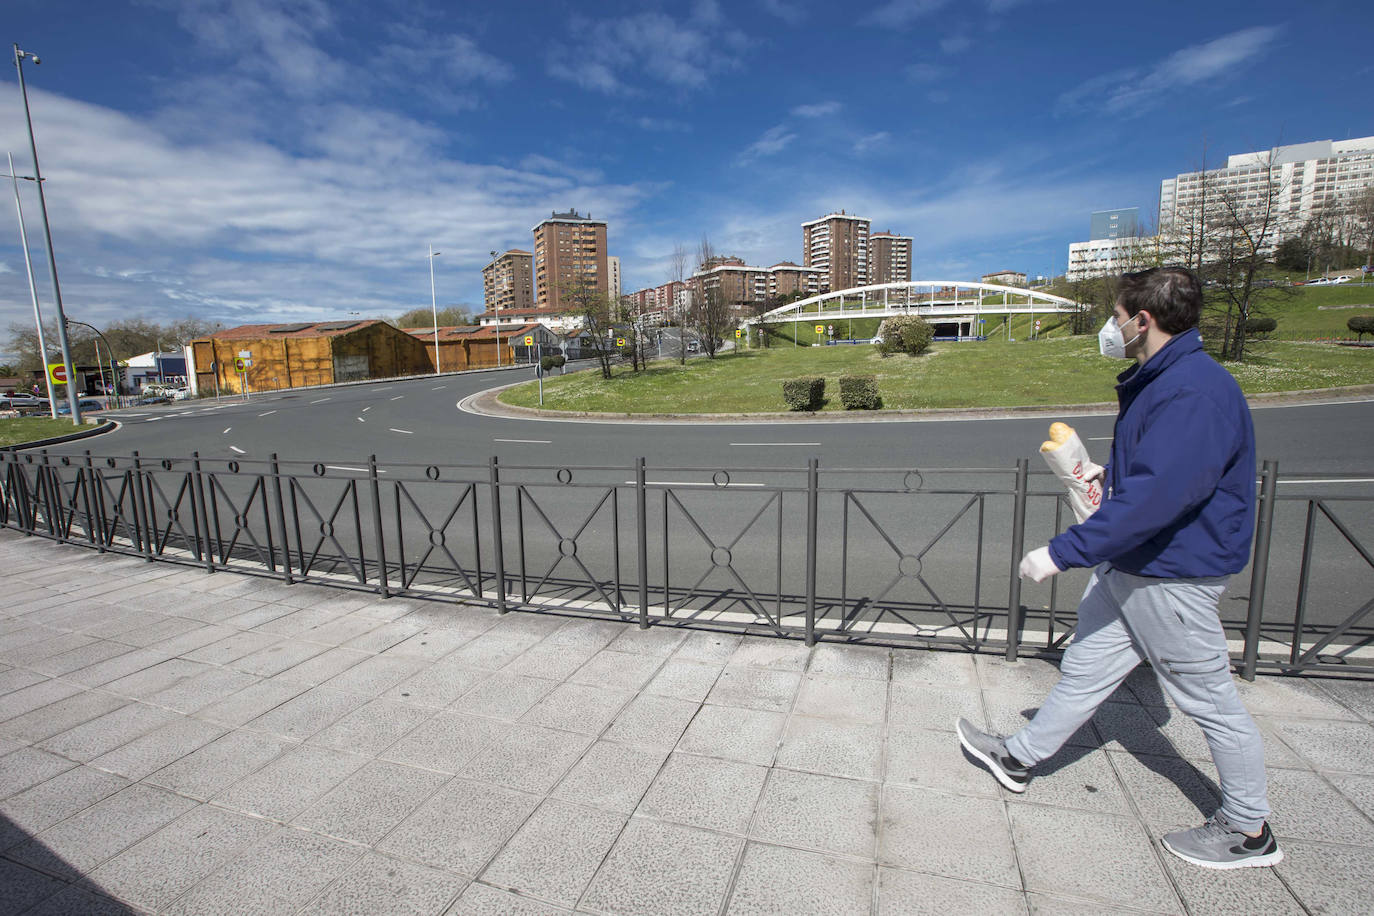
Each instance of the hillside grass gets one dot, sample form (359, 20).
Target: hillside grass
(990, 373)
(31, 429)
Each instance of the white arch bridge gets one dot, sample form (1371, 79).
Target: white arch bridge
(958, 303)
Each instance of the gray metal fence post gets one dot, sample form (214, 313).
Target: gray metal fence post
(198, 482)
(1259, 569)
(1018, 547)
(496, 543)
(145, 539)
(87, 475)
(642, 543)
(281, 520)
(382, 587)
(812, 499)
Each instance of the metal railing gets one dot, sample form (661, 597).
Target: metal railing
(888, 555)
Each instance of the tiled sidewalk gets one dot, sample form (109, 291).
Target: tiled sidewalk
(177, 742)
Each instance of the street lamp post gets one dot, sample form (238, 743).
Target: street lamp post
(72, 399)
(114, 377)
(33, 289)
(434, 309)
(496, 304)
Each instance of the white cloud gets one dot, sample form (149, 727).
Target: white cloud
(818, 110)
(790, 13)
(953, 44)
(898, 14)
(616, 55)
(774, 140)
(924, 72)
(868, 142)
(665, 125)
(1132, 91)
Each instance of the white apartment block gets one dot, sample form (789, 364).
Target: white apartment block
(1103, 257)
(1310, 179)
(613, 276)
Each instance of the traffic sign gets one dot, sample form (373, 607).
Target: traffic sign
(57, 373)
(245, 354)
(738, 332)
(820, 329)
(529, 340)
(1037, 322)
(620, 341)
(240, 364)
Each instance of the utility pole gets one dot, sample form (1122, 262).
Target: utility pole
(62, 340)
(33, 289)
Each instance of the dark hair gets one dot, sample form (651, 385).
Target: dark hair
(1173, 295)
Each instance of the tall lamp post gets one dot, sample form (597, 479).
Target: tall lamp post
(496, 304)
(434, 310)
(72, 398)
(33, 289)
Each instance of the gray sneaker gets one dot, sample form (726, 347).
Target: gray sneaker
(1216, 844)
(992, 751)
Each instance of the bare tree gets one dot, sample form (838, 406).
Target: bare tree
(1362, 215)
(677, 275)
(710, 310)
(595, 309)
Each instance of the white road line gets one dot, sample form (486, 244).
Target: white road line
(267, 413)
(366, 409)
(1331, 480)
(531, 441)
(771, 444)
(438, 388)
(404, 432)
(344, 467)
(361, 420)
(237, 449)
(1100, 438)
(152, 419)
(384, 388)
(226, 429)
(692, 483)
(398, 397)
(320, 401)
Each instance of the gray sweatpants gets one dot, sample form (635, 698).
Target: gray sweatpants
(1124, 619)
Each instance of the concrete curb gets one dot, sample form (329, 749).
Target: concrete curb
(105, 427)
(485, 403)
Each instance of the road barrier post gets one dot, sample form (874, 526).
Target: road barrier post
(1018, 547)
(642, 542)
(199, 486)
(496, 542)
(281, 520)
(87, 479)
(382, 586)
(1259, 569)
(145, 541)
(812, 500)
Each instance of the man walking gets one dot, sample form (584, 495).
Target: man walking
(1176, 522)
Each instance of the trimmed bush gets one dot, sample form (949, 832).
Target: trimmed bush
(1260, 325)
(1361, 324)
(547, 362)
(803, 393)
(909, 334)
(859, 392)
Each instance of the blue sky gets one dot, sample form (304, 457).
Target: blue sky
(244, 160)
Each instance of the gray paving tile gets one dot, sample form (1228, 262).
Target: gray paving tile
(1169, 792)
(933, 759)
(289, 868)
(906, 893)
(204, 773)
(1328, 878)
(1130, 727)
(62, 716)
(754, 688)
(1028, 675)
(556, 852)
(375, 675)
(1240, 891)
(652, 721)
(658, 868)
(437, 685)
(281, 655)
(921, 706)
(578, 707)
(121, 666)
(747, 735)
(13, 679)
(527, 757)
(1290, 696)
(620, 670)
(92, 653)
(245, 705)
(1047, 905)
(28, 766)
(1008, 711)
(611, 776)
(77, 901)
(308, 713)
(324, 666)
(843, 660)
(708, 647)
(155, 678)
(764, 652)
(831, 746)
(777, 880)
(822, 813)
(296, 622)
(382, 638)
(369, 803)
(21, 702)
(684, 679)
(1089, 855)
(503, 696)
(1076, 777)
(446, 742)
(461, 827)
(1331, 746)
(89, 740)
(1306, 807)
(197, 692)
(1357, 696)
(83, 841)
(379, 886)
(431, 644)
(1358, 789)
(192, 640)
(550, 660)
(33, 654)
(372, 728)
(25, 887)
(661, 641)
(151, 752)
(289, 784)
(481, 900)
(947, 835)
(1188, 740)
(157, 870)
(933, 668)
(490, 651)
(705, 792)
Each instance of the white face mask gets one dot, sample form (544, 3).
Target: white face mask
(1110, 343)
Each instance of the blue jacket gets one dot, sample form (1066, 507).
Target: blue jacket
(1180, 486)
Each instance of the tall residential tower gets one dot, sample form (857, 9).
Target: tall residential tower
(837, 244)
(569, 251)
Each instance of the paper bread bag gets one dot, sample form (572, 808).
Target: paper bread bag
(1068, 458)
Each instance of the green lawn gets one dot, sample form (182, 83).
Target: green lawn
(991, 373)
(31, 429)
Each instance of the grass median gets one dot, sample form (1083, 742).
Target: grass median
(32, 429)
(990, 373)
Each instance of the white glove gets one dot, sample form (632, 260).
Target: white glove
(1038, 565)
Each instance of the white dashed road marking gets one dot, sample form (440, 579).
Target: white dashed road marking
(398, 397)
(531, 441)
(267, 413)
(773, 444)
(237, 449)
(405, 432)
(320, 401)
(226, 429)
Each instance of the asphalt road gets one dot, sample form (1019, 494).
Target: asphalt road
(422, 421)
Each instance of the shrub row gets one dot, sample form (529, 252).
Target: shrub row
(803, 393)
(552, 362)
(857, 392)
(1361, 324)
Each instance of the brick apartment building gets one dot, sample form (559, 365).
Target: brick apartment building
(569, 250)
(837, 244)
(508, 281)
(889, 258)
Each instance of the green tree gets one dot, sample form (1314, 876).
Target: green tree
(1361, 325)
(449, 316)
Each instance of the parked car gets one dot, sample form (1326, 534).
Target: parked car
(153, 399)
(22, 399)
(180, 394)
(1343, 278)
(86, 404)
